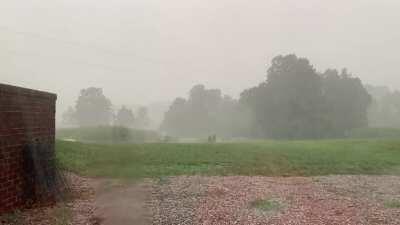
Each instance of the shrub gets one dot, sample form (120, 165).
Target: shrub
(108, 134)
(266, 205)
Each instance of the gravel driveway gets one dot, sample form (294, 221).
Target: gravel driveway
(331, 200)
(240, 200)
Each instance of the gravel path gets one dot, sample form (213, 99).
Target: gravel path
(198, 200)
(123, 203)
(175, 199)
(333, 200)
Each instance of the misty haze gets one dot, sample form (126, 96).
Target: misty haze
(199, 112)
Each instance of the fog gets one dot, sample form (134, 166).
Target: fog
(144, 52)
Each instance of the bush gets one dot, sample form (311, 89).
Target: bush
(108, 134)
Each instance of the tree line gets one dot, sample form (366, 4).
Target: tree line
(294, 102)
(206, 112)
(93, 109)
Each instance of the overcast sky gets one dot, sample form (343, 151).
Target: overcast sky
(144, 51)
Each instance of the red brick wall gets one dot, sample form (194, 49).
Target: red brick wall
(25, 116)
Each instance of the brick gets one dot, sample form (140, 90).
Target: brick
(25, 115)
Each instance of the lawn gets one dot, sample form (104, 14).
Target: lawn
(266, 158)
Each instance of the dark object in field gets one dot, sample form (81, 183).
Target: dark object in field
(212, 139)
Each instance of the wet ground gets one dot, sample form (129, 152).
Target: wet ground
(198, 200)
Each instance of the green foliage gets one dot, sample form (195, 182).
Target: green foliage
(345, 103)
(296, 102)
(108, 134)
(62, 215)
(375, 133)
(93, 108)
(266, 205)
(267, 158)
(393, 204)
(206, 112)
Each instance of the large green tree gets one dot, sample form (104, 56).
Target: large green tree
(346, 102)
(289, 103)
(93, 108)
(296, 102)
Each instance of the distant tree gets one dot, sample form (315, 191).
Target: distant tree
(385, 108)
(69, 117)
(346, 102)
(125, 117)
(296, 102)
(232, 119)
(175, 119)
(194, 117)
(93, 108)
(205, 112)
(201, 111)
(142, 120)
(288, 104)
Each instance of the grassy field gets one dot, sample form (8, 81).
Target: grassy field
(268, 158)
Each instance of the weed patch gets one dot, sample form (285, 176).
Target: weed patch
(267, 205)
(12, 218)
(394, 204)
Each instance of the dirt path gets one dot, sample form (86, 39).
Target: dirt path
(119, 203)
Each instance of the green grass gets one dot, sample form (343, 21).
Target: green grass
(267, 205)
(268, 158)
(12, 218)
(392, 204)
(62, 215)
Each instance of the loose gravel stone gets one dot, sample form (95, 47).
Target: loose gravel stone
(332, 200)
(78, 211)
